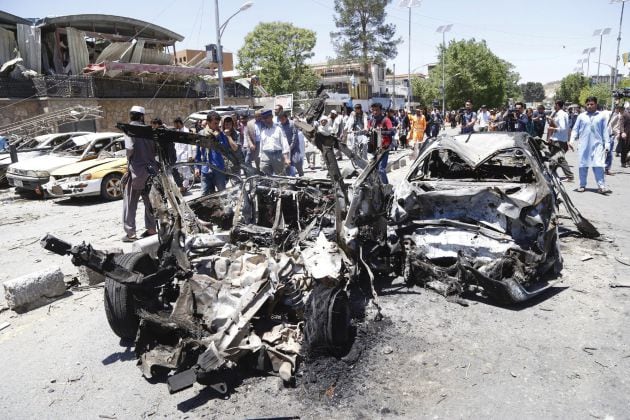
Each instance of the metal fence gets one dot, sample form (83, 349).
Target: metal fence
(10, 88)
(64, 86)
(60, 86)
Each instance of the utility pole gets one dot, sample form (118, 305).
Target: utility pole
(623, 4)
(600, 33)
(588, 52)
(409, 64)
(443, 29)
(394, 86)
(409, 4)
(219, 52)
(220, 29)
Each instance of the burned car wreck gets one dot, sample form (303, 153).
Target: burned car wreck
(481, 211)
(259, 274)
(253, 275)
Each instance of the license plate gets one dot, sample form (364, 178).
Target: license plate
(18, 183)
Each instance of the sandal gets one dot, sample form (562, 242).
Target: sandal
(127, 238)
(581, 189)
(146, 234)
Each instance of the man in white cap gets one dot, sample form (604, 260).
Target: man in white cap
(335, 123)
(140, 155)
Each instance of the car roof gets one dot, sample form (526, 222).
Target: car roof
(477, 147)
(87, 138)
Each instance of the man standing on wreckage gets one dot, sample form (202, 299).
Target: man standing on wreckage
(140, 155)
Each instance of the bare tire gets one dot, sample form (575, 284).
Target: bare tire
(327, 316)
(121, 305)
(111, 187)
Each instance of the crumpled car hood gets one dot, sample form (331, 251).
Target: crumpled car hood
(475, 149)
(477, 210)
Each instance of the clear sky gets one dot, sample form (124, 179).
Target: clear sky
(544, 39)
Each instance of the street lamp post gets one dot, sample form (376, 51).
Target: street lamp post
(611, 70)
(443, 29)
(588, 52)
(581, 61)
(409, 4)
(623, 3)
(600, 33)
(220, 29)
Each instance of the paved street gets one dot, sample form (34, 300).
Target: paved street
(563, 356)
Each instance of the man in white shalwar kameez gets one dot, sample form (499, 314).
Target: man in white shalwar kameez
(590, 130)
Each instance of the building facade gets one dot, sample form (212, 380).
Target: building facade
(349, 79)
(193, 57)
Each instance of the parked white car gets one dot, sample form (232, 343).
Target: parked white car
(33, 173)
(29, 148)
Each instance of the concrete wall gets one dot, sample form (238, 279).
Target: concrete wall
(114, 110)
(16, 110)
(117, 110)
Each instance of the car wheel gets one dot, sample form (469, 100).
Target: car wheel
(121, 305)
(327, 317)
(111, 187)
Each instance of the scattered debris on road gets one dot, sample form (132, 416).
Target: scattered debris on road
(35, 289)
(258, 275)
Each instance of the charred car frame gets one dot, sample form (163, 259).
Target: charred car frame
(260, 271)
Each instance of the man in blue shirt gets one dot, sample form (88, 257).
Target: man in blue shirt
(590, 129)
(291, 133)
(211, 179)
(540, 119)
(469, 118)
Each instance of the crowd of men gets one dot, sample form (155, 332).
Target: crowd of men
(271, 141)
(592, 130)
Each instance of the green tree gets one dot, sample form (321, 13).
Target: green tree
(601, 91)
(362, 32)
(474, 72)
(570, 88)
(425, 91)
(277, 52)
(533, 91)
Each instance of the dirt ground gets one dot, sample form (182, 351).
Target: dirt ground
(565, 355)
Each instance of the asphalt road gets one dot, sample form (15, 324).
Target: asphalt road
(563, 356)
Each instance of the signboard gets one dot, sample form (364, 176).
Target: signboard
(286, 101)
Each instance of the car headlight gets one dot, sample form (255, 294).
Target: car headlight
(37, 174)
(85, 177)
(10, 170)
